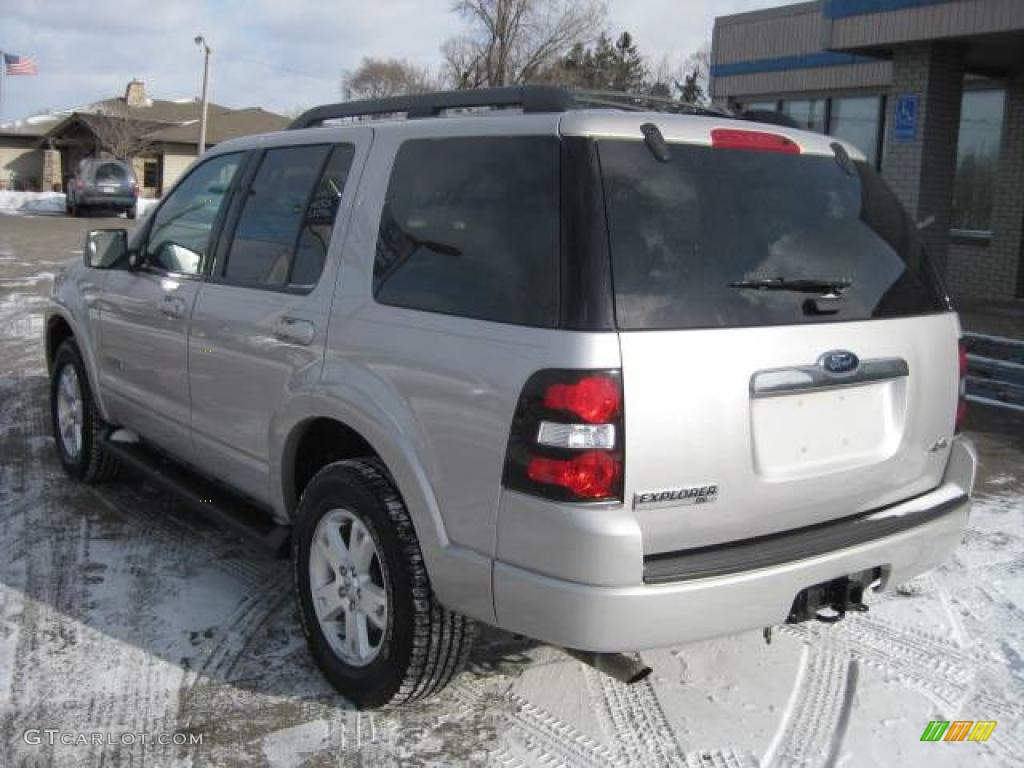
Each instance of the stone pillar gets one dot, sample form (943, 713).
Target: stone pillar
(920, 164)
(51, 179)
(1004, 268)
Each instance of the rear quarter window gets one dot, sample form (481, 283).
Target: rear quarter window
(470, 227)
(682, 232)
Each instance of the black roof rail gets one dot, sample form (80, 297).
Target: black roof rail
(531, 98)
(639, 102)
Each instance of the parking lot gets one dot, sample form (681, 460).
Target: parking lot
(122, 612)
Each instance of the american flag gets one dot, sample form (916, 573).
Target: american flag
(19, 65)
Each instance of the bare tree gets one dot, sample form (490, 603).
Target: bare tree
(693, 86)
(511, 42)
(119, 133)
(378, 78)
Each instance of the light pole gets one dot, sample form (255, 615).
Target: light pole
(201, 42)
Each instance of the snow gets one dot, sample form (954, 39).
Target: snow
(32, 202)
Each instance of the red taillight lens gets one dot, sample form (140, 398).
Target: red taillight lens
(567, 436)
(590, 475)
(595, 399)
(759, 141)
(961, 403)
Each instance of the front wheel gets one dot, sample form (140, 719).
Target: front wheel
(370, 617)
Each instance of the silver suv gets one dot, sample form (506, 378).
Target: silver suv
(607, 378)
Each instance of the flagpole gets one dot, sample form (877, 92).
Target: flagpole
(3, 83)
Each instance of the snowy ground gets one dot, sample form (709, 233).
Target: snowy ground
(121, 612)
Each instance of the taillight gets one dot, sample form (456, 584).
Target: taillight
(961, 403)
(759, 141)
(566, 441)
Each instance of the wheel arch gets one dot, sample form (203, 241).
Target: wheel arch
(460, 577)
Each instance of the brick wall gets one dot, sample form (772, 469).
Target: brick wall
(921, 170)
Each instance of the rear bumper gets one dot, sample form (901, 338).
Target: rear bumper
(112, 201)
(630, 618)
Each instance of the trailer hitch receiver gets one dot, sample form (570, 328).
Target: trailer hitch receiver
(830, 601)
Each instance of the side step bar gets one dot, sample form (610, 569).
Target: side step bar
(226, 509)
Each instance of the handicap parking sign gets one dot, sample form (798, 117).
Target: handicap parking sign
(905, 117)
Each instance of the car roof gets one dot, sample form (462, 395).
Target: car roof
(597, 123)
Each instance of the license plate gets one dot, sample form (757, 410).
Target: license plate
(109, 190)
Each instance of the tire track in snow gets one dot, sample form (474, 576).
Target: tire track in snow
(633, 717)
(815, 719)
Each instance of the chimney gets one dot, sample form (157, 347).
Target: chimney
(135, 94)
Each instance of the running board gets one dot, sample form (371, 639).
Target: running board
(228, 510)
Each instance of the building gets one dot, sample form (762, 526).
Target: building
(160, 136)
(931, 90)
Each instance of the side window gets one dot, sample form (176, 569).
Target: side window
(180, 234)
(470, 227)
(315, 235)
(285, 227)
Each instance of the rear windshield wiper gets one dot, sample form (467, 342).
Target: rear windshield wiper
(836, 286)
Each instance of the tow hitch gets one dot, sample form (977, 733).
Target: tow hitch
(830, 601)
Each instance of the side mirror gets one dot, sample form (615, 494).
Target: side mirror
(105, 247)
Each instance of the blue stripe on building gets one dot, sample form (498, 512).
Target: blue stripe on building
(782, 63)
(841, 9)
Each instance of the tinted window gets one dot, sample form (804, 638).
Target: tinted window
(470, 227)
(315, 235)
(682, 232)
(180, 234)
(110, 173)
(265, 237)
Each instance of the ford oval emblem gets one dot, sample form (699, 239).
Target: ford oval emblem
(839, 361)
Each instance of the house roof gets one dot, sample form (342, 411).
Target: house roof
(223, 126)
(171, 121)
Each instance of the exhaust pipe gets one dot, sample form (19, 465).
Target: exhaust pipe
(623, 668)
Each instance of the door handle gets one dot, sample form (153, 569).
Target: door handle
(295, 331)
(172, 306)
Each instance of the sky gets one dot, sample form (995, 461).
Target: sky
(283, 55)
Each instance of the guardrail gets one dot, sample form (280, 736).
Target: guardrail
(995, 371)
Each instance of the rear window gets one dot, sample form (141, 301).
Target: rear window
(470, 227)
(683, 232)
(110, 173)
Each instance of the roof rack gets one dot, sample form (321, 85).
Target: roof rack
(531, 98)
(636, 102)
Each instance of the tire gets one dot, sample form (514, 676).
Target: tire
(422, 645)
(90, 463)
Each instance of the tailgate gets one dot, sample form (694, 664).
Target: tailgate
(735, 433)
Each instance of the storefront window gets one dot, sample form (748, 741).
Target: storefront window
(856, 120)
(977, 157)
(808, 113)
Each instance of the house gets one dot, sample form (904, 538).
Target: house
(160, 136)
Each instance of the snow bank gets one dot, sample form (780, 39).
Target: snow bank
(52, 202)
(144, 205)
(32, 202)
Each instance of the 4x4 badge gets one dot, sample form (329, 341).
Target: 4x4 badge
(697, 494)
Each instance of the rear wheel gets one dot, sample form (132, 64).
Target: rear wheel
(77, 426)
(370, 617)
